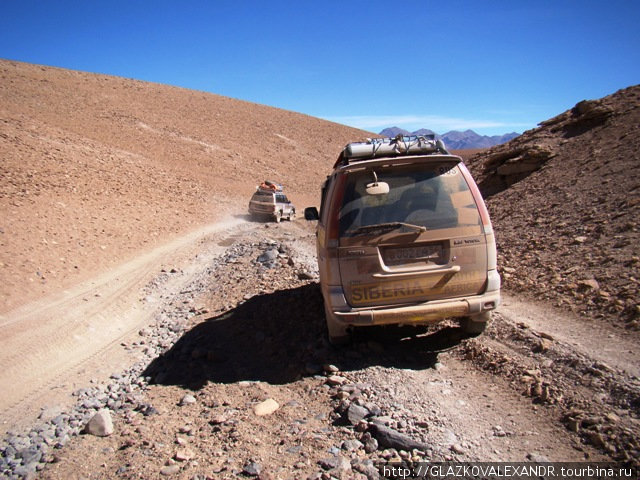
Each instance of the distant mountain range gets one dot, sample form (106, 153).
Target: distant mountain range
(455, 140)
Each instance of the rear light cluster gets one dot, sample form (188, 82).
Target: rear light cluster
(477, 197)
(493, 281)
(492, 255)
(333, 227)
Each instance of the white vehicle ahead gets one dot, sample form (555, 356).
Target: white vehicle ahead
(269, 201)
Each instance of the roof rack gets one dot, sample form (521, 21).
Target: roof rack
(269, 186)
(391, 147)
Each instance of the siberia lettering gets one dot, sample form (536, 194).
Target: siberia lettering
(364, 293)
(414, 289)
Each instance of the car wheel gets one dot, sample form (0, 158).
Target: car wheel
(278, 216)
(292, 215)
(475, 324)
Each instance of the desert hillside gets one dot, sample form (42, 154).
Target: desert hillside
(565, 202)
(205, 355)
(95, 168)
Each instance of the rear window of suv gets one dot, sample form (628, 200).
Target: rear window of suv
(435, 197)
(263, 197)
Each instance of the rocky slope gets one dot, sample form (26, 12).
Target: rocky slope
(96, 168)
(565, 202)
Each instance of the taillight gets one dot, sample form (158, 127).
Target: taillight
(477, 197)
(333, 227)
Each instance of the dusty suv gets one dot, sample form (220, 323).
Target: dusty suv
(269, 201)
(403, 237)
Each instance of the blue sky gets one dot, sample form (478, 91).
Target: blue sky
(492, 66)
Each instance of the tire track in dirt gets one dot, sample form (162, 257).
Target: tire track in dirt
(52, 341)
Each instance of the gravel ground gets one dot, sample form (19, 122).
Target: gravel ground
(222, 349)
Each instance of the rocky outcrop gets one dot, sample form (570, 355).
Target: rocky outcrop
(500, 167)
(565, 201)
(503, 169)
(584, 116)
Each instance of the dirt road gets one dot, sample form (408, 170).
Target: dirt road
(539, 385)
(56, 344)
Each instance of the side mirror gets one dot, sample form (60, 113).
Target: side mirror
(311, 213)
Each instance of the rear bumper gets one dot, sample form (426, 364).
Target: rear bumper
(424, 313)
(262, 209)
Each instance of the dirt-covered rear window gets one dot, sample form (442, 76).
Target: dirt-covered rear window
(263, 197)
(434, 197)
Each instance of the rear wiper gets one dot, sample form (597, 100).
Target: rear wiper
(387, 226)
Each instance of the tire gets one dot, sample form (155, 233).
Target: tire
(475, 324)
(292, 215)
(278, 216)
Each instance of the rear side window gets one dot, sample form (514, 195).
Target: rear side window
(323, 199)
(433, 196)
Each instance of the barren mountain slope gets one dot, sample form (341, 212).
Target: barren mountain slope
(565, 202)
(95, 168)
(207, 357)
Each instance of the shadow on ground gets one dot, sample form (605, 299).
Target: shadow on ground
(280, 337)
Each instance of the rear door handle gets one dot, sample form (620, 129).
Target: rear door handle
(450, 271)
